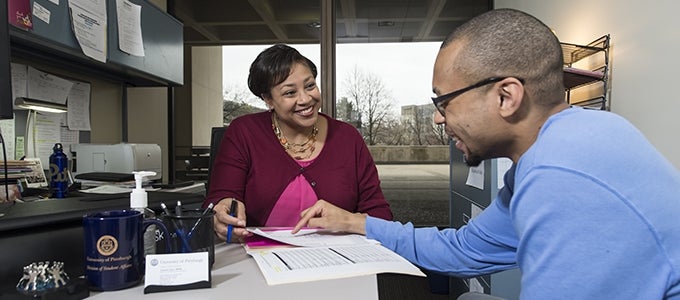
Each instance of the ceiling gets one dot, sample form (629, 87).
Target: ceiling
(251, 22)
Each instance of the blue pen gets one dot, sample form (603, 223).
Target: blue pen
(232, 212)
(186, 247)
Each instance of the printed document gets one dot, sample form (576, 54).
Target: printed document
(313, 237)
(321, 254)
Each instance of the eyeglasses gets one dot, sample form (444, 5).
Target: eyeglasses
(441, 101)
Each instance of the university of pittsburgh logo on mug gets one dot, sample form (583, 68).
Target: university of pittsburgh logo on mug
(107, 245)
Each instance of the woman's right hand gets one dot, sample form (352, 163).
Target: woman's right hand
(223, 219)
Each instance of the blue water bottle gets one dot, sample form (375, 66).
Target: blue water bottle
(58, 172)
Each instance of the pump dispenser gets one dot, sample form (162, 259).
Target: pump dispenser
(139, 201)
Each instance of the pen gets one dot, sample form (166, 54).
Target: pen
(232, 212)
(203, 214)
(178, 208)
(165, 209)
(178, 229)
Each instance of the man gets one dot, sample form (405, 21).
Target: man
(589, 209)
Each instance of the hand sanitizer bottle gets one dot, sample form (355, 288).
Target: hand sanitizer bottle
(139, 201)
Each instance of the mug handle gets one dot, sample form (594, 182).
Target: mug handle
(157, 222)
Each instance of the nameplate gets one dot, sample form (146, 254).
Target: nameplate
(180, 271)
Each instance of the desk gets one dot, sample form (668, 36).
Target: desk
(235, 275)
(52, 230)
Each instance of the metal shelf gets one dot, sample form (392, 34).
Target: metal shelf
(575, 78)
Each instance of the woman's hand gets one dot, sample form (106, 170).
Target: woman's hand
(223, 218)
(325, 215)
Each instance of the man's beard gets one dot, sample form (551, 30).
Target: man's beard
(472, 160)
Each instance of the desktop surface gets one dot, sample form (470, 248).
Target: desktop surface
(235, 275)
(51, 230)
(24, 215)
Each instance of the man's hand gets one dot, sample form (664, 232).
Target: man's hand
(327, 216)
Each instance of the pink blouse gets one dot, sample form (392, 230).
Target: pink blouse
(297, 196)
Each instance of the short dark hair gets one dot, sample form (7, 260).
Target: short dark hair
(508, 42)
(272, 66)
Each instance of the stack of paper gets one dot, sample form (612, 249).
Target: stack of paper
(109, 182)
(314, 254)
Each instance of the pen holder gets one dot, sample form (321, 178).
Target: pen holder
(191, 231)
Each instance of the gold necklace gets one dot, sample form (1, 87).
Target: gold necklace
(297, 151)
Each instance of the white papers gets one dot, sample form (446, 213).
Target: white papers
(47, 87)
(68, 138)
(43, 132)
(475, 210)
(41, 13)
(331, 255)
(19, 83)
(476, 176)
(7, 129)
(287, 265)
(78, 115)
(88, 19)
(503, 164)
(129, 27)
(313, 237)
(107, 189)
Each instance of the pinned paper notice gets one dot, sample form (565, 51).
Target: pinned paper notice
(502, 166)
(130, 27)
(88, 20)
(476, 176)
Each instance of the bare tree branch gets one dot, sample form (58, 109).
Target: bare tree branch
(372, 100)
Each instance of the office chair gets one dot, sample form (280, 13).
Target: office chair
(215, 141)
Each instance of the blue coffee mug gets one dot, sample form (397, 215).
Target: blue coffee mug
(114, 248)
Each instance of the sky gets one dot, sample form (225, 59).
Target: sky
(404, 68)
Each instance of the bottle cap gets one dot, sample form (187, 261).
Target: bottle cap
(138, 196)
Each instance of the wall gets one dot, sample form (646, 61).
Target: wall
(148, 119)
(198, 103)
(183, 112)
(106, 110)
(645, 42)
(206, 92)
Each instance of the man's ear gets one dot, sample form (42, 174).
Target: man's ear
(511, 93)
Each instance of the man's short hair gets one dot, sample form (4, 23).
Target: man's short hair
(508, 42)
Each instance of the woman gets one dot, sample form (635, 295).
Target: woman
(279, 162)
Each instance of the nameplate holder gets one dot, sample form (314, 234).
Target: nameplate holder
(178, 271)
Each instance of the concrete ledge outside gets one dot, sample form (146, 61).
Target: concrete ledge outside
(431, 154)
(417, 193)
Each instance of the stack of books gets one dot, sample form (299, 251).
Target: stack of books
(23, 169)
(28, 171)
